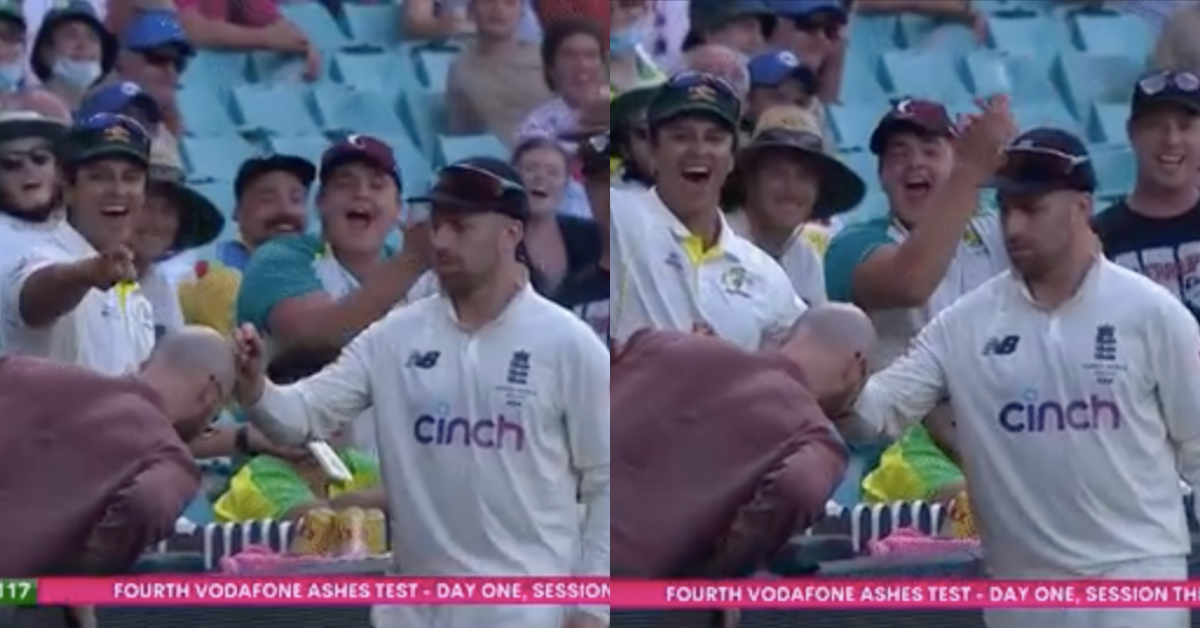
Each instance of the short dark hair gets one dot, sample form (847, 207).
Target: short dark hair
(558, 33)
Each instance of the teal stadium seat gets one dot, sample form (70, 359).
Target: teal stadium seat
(424, 111)
(990, 72)
(434, 65)
(924, 33)
(455, 148)
(310, 147)
(1053, 114)
(205, 112)
(1095, 78)
(215, 158)
(414, 164)
(925, 75)
(860, 81)
(320, 27)
(1108, 123)
(275, 110)
(388, 72)
(865, 164)
(873, 35)
(1027, 34)
(347, 110)
(1116, 34)
(853, 123)
(215, 70)
(1116, 170)
(375, 25)
(221, 195)
(272, 67)
(874, 206)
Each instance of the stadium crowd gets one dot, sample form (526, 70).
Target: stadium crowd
(793, 186)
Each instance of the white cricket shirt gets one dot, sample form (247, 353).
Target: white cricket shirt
(111, 332)
(664, 279)
(1074, 424)
(486, 439)
(800, 260)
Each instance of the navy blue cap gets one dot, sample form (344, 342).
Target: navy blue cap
(1045, 160)
(802, 8)
(119, 98)
(479, 184)
(155, 29)
(771, 69)
(1179, 89)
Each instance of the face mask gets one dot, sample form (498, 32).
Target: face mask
(10, 76)
(78, 74)
(624, 40)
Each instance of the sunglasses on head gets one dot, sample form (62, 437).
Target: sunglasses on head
(1157, 83)
(101, 121)
(1033, 163)
(476, 185)
(691, 78)
(18, 160)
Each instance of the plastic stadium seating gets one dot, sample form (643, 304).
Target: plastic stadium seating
(345, 109)
(925, 75)
(1108, 123)
(216, 158)
(275, 109)
(1114, 34)
(271, 67)
(1030, 115)
(989, 73)
(1026, 34)
(386, 72)
(414, 165)
(853, 123)
(1115, 168)
(205, 112)
(220, 71)
(309, 147)
(1094, 78)
(424, 111)
(865, 164)
(373, 24)
(860, 81)
(316, 22)
(947, 38)
(434, 65)
(221, 195)
(456, 148)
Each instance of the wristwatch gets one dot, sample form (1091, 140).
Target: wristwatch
(241, 441)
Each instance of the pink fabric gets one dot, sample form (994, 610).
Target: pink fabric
(913, 542)
(259, 559)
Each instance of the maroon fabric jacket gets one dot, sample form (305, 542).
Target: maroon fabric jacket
(719, 456)
(91, 470)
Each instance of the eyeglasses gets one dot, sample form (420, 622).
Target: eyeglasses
(1158, 82)
(1035, 163)
(18, 160)
(166, 56)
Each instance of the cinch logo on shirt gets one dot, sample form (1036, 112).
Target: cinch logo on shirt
(1052, 416)
(498, 433)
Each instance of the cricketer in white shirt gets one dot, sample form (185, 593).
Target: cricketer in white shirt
(1074, 425)
(109, 331)
(663, 278)
(486, 439)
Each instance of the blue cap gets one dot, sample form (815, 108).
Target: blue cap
(155, 29)
(801, 8)
(118, 98)
(770, 69)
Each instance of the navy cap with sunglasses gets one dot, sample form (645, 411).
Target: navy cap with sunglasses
(1166, 88)
(1045, 160)
(696, 94)
(479, 184)
(107, 135)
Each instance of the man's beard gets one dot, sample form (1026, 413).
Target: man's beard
(38, 215)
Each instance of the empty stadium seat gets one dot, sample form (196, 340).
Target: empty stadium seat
(853, 123)
(216, 158)
(275, 110)
(1108, 123)
(1117, 34)
(310, 147)
(860, 81)
(345, 109)
(872, 35)
(215, 70)
(1025, 33)
(874, 206)
(316, 23)
(373, 24)
(1116, 170)
(388, 72)
(924, 75)
(414, 165)
(456, 148)
(990, 72)
(434, 66)
(273, 67)
(221, 195)
(1052, 114)
(925, 33)
(424, 113)
(1091, 78)
(204, 112)
(865, 164)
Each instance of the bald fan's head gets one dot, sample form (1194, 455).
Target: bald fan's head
(194, 370)
(831, 343)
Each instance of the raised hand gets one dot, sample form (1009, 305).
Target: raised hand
(111, 268)
(984, 135)
(251, 364)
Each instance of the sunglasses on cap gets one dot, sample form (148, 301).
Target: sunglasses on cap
(1154, 84)
(691, 78)
(18, 160)
(1035, 163)
(101, 121)
(475, 186)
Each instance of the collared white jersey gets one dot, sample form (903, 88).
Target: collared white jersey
(663, 279)
(1074, 424)
(800, 259)
(483, 438)
(111, 332)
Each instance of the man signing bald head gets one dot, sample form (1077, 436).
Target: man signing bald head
(95, 469)
(721, 454)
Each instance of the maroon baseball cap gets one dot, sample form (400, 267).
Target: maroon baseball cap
(924, 117)
(361, 149)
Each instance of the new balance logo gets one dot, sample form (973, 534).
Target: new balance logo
(1002, 346)
(424, 361)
